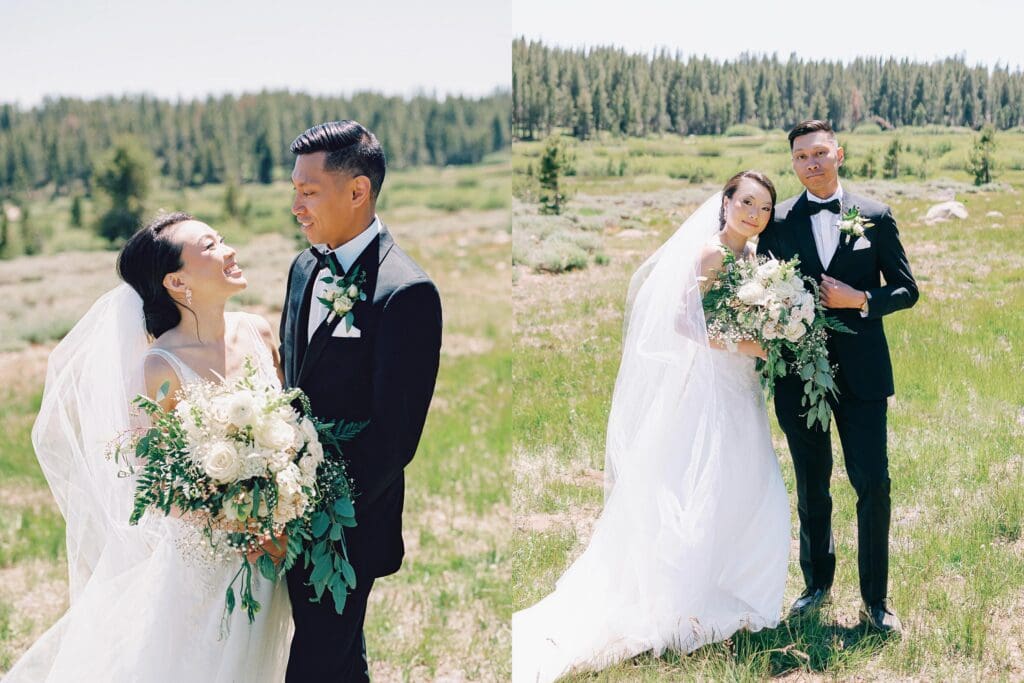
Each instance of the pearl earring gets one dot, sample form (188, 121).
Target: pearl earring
(188, 296)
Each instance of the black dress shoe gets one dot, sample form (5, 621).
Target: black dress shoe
(879, 618)
(809, 602)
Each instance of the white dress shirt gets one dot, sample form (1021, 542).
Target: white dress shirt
(825, 226)
(347, 255)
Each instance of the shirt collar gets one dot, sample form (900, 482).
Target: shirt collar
(838, 194)
(350, 251)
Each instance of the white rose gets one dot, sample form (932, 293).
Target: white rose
(342, 305)
(315, 449)
(308, 466)
(794, 330)
(275, 434)
(752, 294)
(221, 462)
(353, 292)
(241, 408)
(768, 270)
(309, 429)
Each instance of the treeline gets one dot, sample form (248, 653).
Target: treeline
(607, 89)
(234, 139)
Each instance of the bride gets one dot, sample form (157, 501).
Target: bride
(144, 604)
(693, 541)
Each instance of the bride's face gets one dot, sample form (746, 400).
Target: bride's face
(209, 269)
(749, 209)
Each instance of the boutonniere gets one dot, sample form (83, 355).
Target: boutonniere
(342, 293)
(853, 224)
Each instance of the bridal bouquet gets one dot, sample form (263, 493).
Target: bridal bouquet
(766, 301)
(241, 465)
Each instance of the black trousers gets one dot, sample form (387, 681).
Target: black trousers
(327, 647)
(862, 432)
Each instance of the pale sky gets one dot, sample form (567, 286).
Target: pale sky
(90, 48)
(983, 31)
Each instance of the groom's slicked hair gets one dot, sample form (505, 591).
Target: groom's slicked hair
(810, 126)
(350, 148)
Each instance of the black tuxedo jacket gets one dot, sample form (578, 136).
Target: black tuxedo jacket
(863, 358)
(385, 376)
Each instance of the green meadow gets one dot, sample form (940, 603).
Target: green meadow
(446, 613)
(955, 425)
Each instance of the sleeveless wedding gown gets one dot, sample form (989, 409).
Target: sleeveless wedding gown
(693, 542)
(152, 610)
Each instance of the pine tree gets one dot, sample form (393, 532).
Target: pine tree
(980, 160)
(551, 197)
(76, 211)
(891, 165)
(124, 177)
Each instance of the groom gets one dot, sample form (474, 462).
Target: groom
(382, 368)
(850, 270)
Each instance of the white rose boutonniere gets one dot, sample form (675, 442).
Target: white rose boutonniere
(853, 224)
(342, 293)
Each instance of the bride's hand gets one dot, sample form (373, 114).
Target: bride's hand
(275, 546)
(752, 348)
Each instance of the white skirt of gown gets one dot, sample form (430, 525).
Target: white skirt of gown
(158, 617)
(693, 556)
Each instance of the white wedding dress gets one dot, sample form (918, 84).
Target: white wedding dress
(142, 606)
(693, 542)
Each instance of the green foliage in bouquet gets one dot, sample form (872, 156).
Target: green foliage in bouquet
(771, 302)
(239, 463)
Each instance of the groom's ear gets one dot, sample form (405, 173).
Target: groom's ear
(840, 155)
(361, 190)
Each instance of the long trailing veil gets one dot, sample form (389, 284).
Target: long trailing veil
(91, 377)
(654, 558)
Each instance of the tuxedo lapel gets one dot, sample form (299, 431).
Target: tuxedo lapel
(369, 261)
(305, 272)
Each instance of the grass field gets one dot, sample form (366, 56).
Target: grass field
(445, 615)
(956, 422)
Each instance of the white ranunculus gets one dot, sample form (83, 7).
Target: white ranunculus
(352, 292)
(342, 305)
(796, 282)
(278, 460)
(771, 331)
(794, 330)
(242, 408)
(222, 462)
(288, 484)
(274, 433)
(751, 293)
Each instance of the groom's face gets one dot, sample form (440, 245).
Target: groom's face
(816, 161)
(326, 202)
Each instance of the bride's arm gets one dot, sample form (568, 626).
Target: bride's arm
(267, 335)
(158, 372)
(711, 260)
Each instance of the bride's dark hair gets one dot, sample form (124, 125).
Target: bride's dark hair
(733, 184)
(144, 261)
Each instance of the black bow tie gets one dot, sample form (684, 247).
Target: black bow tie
(322, 259)
(815, 207)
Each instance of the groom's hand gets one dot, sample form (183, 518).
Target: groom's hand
(836, 294)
